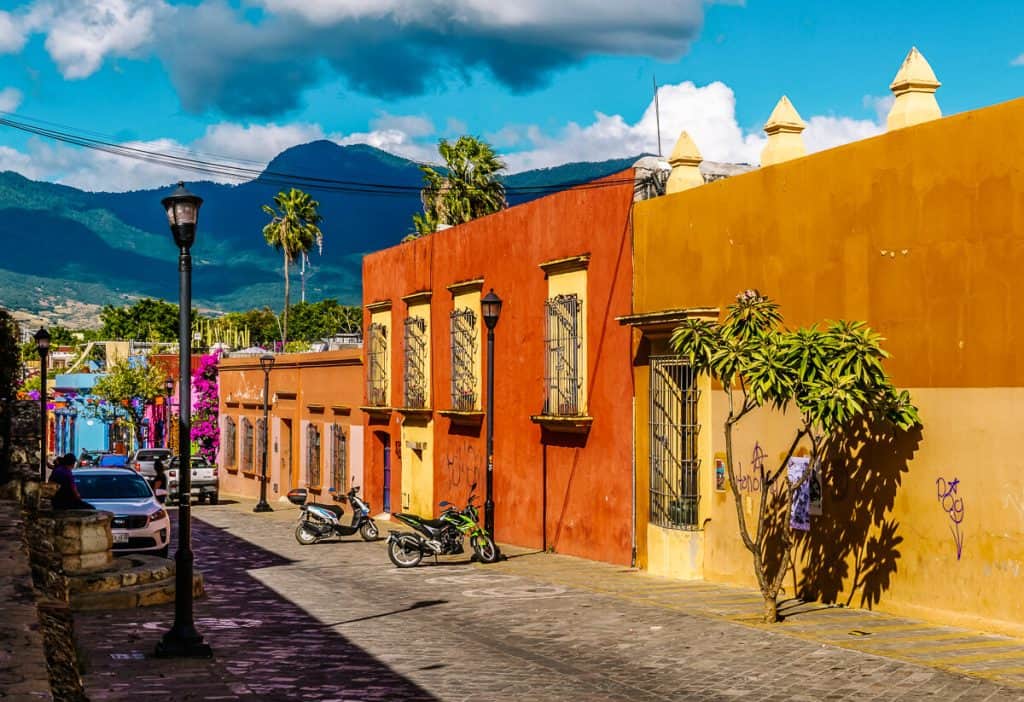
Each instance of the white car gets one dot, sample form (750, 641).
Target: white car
(140, 524)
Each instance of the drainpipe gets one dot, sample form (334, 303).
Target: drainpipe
(632, 487)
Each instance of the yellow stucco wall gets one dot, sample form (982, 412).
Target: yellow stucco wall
(417, 466)
(920, 232)
(471, 300)
(574, 282)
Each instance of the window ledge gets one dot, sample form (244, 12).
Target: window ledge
(233, 471)
(250, 474)
(571, 425)
(415, 411)
(377, 409)
(474, 417)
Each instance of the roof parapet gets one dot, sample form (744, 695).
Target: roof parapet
(784, 129)
(914, 87)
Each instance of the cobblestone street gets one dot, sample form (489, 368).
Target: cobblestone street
(336, 621)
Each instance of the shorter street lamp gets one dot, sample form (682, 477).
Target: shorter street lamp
(42, 338)
(490, 308)
(169, 390)
(267, 364)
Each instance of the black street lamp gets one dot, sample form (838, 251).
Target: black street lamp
(42, 338)
(490, 308)
(169, 391)
(182, 640)
(267, 364)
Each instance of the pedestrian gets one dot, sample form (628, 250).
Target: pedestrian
(67, 496)
(159, 480)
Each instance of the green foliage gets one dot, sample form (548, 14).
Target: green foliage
(469, 187)
(10, 358)
(312, 321)
(131, 384)
(833, 375)
(263, 325)
(293, 230)
(147, 319)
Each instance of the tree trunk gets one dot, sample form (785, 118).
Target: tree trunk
(284, 325)
(771, 609)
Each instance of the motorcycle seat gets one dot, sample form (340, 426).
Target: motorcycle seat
(338, 511)
(432, 523)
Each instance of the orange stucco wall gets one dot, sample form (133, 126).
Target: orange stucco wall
(322, 388)
(920, 232)
(571, 493)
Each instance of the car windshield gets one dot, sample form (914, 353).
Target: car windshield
(111, 487)
(151, 455)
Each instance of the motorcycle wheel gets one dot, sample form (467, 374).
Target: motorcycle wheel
(484, 548)
(304, 536)
(369, 531)
(403, 557)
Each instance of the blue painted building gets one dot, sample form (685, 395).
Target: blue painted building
(81, 420)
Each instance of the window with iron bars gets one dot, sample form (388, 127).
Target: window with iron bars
(415, 385)
(339, 459)
(261, 436)
(563, 339)
(230, 443)
(464, 380)
(673, 443)
(313, 454)
(377, 364)
(246, 445)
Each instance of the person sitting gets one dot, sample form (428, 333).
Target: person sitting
(159, 481)
(67, 496)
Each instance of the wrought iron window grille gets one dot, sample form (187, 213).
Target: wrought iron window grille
(313, 455)
(377, 363)
(230, 443)
(674, 463)
(339, 459)
(415, 377)
(247, 443)
(260, 445)
(464, 345)
(563, 341)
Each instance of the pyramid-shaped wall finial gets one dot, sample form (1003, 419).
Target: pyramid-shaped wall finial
(783, 128)
(914, 87)
(685, 161)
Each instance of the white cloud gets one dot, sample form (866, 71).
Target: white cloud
(10, 99)
(254, 142)
(1019, 61)
(707, 112)
(12, 37)
(81, 34)
(394, 141)
(413, 125)
(880, 105)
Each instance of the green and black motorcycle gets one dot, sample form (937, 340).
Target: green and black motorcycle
(442, 536)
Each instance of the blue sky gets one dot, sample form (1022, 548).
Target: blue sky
(547, 82)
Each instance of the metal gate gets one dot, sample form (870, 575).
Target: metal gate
(673, 443)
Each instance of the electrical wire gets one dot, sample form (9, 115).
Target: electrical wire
(242, 173)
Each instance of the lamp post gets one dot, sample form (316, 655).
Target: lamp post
(266, 363)
(169, 390)
(42, 338)
(490, 308)
(182, 640)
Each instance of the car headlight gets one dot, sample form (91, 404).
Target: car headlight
(157, 516)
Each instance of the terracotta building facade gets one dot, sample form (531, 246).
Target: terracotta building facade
(562, 458)
(315, 429)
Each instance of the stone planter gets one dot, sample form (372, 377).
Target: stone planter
(82, 540)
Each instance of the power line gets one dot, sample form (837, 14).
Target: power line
(245, 173)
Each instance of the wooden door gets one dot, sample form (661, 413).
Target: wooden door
(288, 473)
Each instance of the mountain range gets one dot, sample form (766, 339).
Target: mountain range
(65, 245)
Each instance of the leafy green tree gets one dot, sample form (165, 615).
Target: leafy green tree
(131, 384)
(146, 319)
(833, 377)
(468, 188)
(293, 230)
(311, 321)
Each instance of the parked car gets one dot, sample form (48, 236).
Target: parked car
(88, 457)
(143, 459)
(112, 460)
(140, 522)
(205, 480)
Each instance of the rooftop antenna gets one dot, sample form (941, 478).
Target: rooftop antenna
(657, 111)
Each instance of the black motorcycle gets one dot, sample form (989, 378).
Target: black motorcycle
(442, 536)
(320, 521)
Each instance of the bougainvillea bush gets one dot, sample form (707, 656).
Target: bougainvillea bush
(205, 413)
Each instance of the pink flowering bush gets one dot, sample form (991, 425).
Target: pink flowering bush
(205, 425)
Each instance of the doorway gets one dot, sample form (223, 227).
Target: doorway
(288, 477)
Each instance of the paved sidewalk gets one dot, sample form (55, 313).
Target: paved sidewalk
(336, 621)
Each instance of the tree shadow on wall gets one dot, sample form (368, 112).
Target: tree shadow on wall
(852, 547)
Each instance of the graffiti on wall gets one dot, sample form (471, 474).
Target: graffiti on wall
(462, 467)
(948, 494)
(750, 483)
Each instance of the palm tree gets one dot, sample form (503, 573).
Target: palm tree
(468, 190)
(294, 230)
